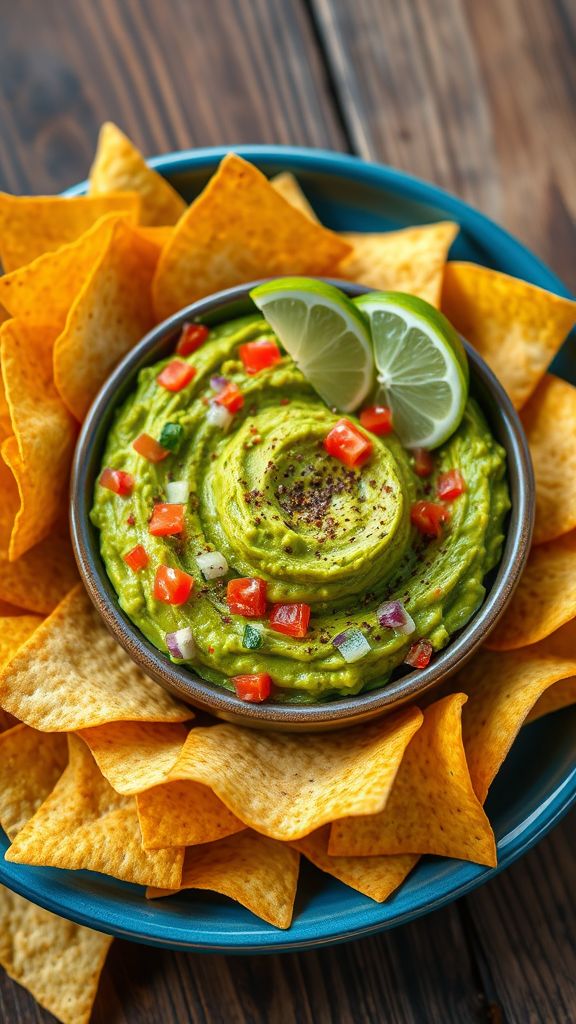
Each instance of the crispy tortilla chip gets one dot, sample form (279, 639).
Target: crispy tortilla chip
(158, 236)
(545, 598)
(237, 230)
(59, 963)
(183, 814)
(133, 756)
(40, 452)
(7, 721)
(32, 225)
(549, 419)
(432, 807)
(561, 695)
(119, 167)
(287, 186)
(257, 872)
(84, 823)
(14, 630)
(376, 877)
(112, 312)
(286, 786)
(42, 577)
(71, 674)
(515, 326)
(411, 260)
(31, 763)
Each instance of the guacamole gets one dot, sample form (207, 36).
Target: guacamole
(266, 496)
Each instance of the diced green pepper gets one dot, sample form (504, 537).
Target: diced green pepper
(252, 638)
(171, 436)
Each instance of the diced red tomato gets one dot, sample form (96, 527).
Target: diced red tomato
(172, 586)
(429, 518)
(419, 654)
(230, 397)
(166, 520)
(149, 448)
(137, 558)
(347, 443)
(191, 338)
(118, 481)
(259, 355)
(291, 619)
(377, 419)
(247, 596)
(176, 375)
(450, 485)
(253, 688)
(423, 462)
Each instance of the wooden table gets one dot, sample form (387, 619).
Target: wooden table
(475, 95)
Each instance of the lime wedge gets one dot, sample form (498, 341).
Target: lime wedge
(421, 367)
(324, 333)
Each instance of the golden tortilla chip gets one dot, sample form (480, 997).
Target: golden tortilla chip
(238, 229)
(7, 721)
(376, 877)
(285, 785)
(411, 260)
(432, 807)
(71, 674)
(42, 577)
(561, 695)
(31, 763)
(32, 225)
(14, 630)
(158, 236)
(134, 756)
(119, 167)
(545, 598)
(112, 312)
(287, 186)
(183, 814)
(257, 872)
(85, 824)
(549, 419)
(515, 326)
(59, 963)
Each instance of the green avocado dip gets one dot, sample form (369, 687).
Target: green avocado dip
(265, 496)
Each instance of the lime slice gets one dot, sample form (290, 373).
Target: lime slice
(421, 367)
(324, 333)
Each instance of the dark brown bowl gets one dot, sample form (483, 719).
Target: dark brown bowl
(340, 712)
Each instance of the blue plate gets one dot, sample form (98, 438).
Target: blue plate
(537, 784)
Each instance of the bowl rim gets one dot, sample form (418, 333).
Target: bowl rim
(214, 699)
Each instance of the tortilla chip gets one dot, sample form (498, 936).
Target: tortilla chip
(549, 419)
(158, 236)
(287, 186)
(31, 763)
(41, 450)
(112, 312)
(239, 229)
(42, 577)
(515, 326)
(59, 963)
(411, 260)
(14, 630)
(71, 674)
(259, 873)
(545, 598)
(432, 807)
(134, 756)
(285, 785)
(32, 225)
(183, 814)
(561, 695)
(376, 877)
(85, 824)
(119, 167)
(7, 721)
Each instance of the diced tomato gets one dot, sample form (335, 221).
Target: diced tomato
(429, 518)
(247, 596)
(191, 338)
(253, 688)
(167, 519)
(291, 619)
(347, 443)
(419, 654)
(423, 462)
(176, 375)
(450, 485)
(172, 586)
(149, 448)
(230, 397)
(377, 419)
(259, 355)
(118, 481)
(137, 558)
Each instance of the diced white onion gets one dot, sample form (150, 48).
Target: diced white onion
(181, 644)
(393, 615)
(177, 492)
(352, 645)
(219, 416)
(212, 565)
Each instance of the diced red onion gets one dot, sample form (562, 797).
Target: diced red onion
(393, 615)
(219, 416)
(351, 644)
(181, 644)
(218, 383)
(177, 492)
(212, 564)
